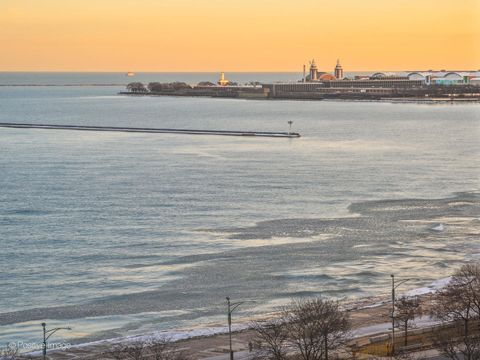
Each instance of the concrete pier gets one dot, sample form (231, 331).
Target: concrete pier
(152, 130)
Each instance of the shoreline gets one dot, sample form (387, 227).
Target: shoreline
(368, 315)
(310, 97)
(394, 100)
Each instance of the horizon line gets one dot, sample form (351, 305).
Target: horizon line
(220, 71)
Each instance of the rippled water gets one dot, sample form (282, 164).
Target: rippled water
(116, 233)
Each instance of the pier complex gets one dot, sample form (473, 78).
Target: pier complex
(317, 85)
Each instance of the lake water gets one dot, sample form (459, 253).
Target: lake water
(119, 233)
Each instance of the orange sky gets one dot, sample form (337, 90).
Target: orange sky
(238, 35)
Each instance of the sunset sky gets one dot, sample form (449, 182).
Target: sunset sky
(238, 35)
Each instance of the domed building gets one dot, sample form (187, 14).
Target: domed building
(315, 75)
(327, 77)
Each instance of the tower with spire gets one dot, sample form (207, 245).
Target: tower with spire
(338, 70)
(313, 71)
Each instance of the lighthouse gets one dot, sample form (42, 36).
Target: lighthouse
(222, 81)
(338, 70)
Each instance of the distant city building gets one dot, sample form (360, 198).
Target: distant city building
(338, 70)
(390, 79)
(388, 75)
(475, 81)
(445, 77)
(326, 77)
(317, 76)
(222, 81)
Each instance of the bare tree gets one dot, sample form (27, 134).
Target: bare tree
(164, 349)
(161, 349)
(178, 85)
(316, 327)
(460, 299)
(458, 303)
(136, 87)
(10, 352)
(205, 83)
(271, 340)
(467, 278)
(406, 311)
(115, 353)
(133, 351)
(156, 87)
(455, 348)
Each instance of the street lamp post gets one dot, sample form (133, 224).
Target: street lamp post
(46, 336)
(394, 287)
(393, 314)
(231, 308)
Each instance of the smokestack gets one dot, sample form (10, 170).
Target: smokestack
(304, 73)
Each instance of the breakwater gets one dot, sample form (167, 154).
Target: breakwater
(152, 130)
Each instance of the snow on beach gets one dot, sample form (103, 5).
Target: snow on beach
(185, 334)
(434, 286)
(373, 302)
(172, 336)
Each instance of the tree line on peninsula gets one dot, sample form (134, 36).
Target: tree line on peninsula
(158, 87)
